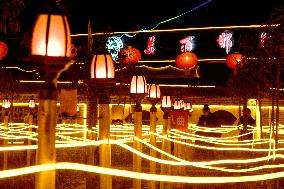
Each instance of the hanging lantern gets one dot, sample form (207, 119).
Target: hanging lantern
(31, 103)
(233, 59)
(129, 55)
(6, 103)
(51, 36)
(102, 66)
(186, 60)
(154, 91)
(166, 102)
(3, 50)
(138, 85)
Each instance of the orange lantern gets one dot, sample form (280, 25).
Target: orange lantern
(129, 55)
(186, 60)
(3, 50)
(233, 59)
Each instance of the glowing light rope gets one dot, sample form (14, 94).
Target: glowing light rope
(138, 175)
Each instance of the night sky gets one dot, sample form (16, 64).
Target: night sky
(125, 15)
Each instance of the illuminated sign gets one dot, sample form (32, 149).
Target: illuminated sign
(114, 44)
(186, 44)
(263, 37)
(225, 41)
(150, 46)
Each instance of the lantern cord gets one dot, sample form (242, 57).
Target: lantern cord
(167, 20)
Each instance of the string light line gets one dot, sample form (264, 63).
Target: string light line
(139, 175)
(215, 148)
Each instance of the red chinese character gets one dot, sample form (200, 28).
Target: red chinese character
(263, 37)
(151, 46)
(225, 41)
(186, 44)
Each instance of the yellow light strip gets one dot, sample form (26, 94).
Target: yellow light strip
(138, 175)
(183, 29)
(16, 67)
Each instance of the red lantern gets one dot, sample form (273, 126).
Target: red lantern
(186, 60)
(3, 50)
(233, 59)
(129, 55)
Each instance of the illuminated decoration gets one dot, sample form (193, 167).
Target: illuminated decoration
(3, 50)
(263, 37)
(150, 46)
(178, 104)
(186, 60)
(114, 44)
(129, 55)
(56, 41)
(186, 29)
(233, 59)
(138, 85)
(6, 103)
(166, 102)
(102, 66)
(186, 44)
(225, 41)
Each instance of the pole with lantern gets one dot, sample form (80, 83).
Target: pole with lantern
(102, 80)
(138, 90)
(166, 107)
(6, 106)
(154, 96)
(50, 54)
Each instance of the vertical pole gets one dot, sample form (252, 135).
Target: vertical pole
(30, 122)
(5, 158)
(46, 153)
(165, 126)
(169, 150)
(153, 123)
(137, 145)
(104, 149)
(257, 121)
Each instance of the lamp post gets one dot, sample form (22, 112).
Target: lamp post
(102, 80)
(138, 90)
(154, 96)
(50, 54)
(6, 106)
(166, 107)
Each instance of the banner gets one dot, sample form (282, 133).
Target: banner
(68, 102)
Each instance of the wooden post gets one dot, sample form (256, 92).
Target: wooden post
(30, 122)
(104, 149)
(137, 145)
(5, 158)
(46, 153)
(153, 123)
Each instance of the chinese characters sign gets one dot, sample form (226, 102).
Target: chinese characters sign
(225, 41)
(179, 119)
(186, 44)
(151, 46)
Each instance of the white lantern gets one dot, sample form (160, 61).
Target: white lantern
(31, 103)
(138, 85)
(102, 66)
(6, 103)
(51, 36)
(166, 102)
(154, 91)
